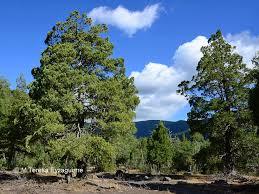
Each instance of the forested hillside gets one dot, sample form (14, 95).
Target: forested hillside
(145, 128)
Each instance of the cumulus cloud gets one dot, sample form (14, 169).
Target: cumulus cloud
(157, 83)
(124, 19)
(187, 56)
(246, 45)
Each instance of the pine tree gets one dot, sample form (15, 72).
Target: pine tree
(159, 148)
(79, 79)
(218, 96)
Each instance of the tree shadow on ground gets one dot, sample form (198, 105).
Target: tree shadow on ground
(143, 177)
(198, 188)
(42, 178)
(29, 176)
(153, 182)
(5, 176)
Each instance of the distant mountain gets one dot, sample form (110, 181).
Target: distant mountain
(145, 128)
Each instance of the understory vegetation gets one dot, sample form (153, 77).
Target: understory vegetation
(78, 111)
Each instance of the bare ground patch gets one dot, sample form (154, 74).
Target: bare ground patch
(130, 184)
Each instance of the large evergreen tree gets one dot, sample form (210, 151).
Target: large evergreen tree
(218, 96)
(79, 79)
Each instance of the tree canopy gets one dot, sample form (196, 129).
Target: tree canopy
(79, 78)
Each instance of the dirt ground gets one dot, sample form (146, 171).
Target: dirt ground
(11, 182)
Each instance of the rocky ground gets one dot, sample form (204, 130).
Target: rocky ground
(11, 182)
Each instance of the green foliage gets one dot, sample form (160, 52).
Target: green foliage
(38, 157)
(218, 96)
(138, 158)
(12, 135)
(23, 124)
(100, 153)
(254, 93)
(124, 146)
(159, 146)
(5, 103)
(207, 162)
(248, 152)
(116, 99)
(185, 151)
(79, 78)
(32, 124)
(3, 164)
(94, 149)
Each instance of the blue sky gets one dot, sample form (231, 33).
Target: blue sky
(160, 44)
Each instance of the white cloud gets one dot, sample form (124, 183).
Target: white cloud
(157, 83)
(246, 45)
(187, 56)
(124, 19)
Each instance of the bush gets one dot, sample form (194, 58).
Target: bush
(92, 149)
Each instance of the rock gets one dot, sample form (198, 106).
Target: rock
(16, 170)
(146, 177)
(220, 182)
(119, 175)
(166, 178)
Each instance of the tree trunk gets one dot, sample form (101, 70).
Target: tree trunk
(80, 125)
(81, 164)
(11, 158)
(229, 158)
(81, 122)
(68, 177)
